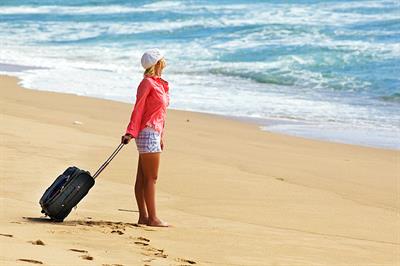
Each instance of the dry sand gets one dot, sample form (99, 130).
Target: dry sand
(235, 195)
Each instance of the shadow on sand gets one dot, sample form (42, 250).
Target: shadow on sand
(100, 223)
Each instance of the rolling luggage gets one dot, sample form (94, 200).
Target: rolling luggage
(69, 189)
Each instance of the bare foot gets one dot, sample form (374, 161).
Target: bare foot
(143, 220)
(157, 222)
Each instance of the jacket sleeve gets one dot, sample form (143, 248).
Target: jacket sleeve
(163, 128)
(137, 113)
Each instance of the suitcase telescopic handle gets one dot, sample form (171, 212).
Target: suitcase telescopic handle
(104, 165)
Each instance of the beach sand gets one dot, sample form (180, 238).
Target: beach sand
(234, 194)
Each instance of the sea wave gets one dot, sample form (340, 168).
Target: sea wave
(264, 13)
(395, 97)
(70, 10)
(159, 6)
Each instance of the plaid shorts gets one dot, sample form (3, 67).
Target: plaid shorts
(148, 140)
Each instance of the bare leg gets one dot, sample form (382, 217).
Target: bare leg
(150, 163)
(139, 194)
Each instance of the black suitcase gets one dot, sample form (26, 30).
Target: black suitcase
(69, 189)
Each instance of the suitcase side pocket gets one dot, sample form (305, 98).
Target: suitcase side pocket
(54, 190)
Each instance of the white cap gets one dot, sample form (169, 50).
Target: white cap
(151, 57)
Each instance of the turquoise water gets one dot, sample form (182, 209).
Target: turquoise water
(320, 69)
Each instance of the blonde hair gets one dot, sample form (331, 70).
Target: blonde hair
(151, 71)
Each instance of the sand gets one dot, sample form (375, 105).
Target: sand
(234, 194)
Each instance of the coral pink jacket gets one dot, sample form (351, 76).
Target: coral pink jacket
(150, 109)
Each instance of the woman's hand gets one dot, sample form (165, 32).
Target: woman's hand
(126, 138)
(162, 143)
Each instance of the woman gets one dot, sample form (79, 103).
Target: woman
(147, 128)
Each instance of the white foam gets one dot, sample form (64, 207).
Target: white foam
(372, 137)
(362, 4)
(65, 10)
(62, 31)
(179, 6)
(71, 10)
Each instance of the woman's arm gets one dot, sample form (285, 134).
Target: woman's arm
(137, 113)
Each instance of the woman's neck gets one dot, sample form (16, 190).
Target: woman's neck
(152, 76)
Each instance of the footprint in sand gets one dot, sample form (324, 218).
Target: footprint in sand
(87, 257)
(280, 178)
(6, 235)
(78, 250)
(112, 265)
(141, 243)
(104, 224)
(30, 261)
(185, 261)
(37, 242)
(143, 239)
(150, 252)
(154, 252)
(117, 232)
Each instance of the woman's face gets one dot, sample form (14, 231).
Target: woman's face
(160, 66)
(163, 63)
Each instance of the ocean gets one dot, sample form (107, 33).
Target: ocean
(317, 69)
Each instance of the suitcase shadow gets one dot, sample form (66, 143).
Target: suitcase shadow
(90, 223)
(40, 220)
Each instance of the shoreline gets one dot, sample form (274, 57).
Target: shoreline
(294, 128)
(263, 198)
